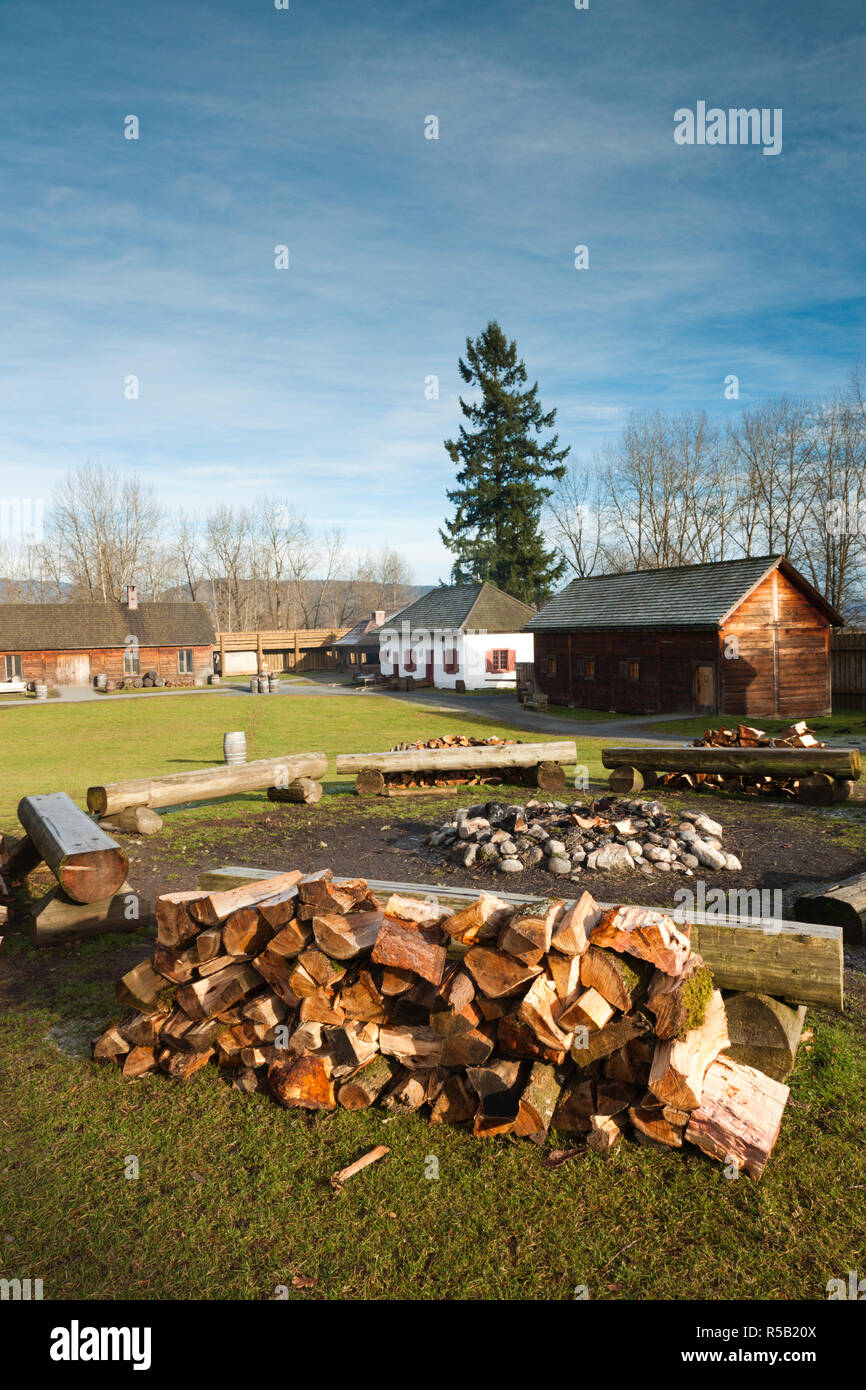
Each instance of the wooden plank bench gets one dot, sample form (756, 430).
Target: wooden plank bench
(544, 761)
(537, 701)
(825, 774)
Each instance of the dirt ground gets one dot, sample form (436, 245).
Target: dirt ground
(779, 846)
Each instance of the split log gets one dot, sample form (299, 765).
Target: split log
(319, 890)
(20, 860)
(362, 1001)
(410, 948)
(414, 911)
(481, 919)
(143, 1029)
(621, 982)
(203, 998)
(279, 909)
(764, 1033)
(344, 937)
(414, 1046)
(590, 1010)
(652, 936)
(245, 933)
(605, 1133)
(139, 1062)
(181, 1066)
(603, 1042)
(540, 1010)
(408, 1092)
(538, 1102)
(177, 788)
(498, 1087)
(455, 1104)
(304, 791)
(575, 1107)
(175, 927)
(462, 1045)
(54, 917)
(177, 966)
(678, 1067)
(326, 972)
(365, 1085)
(354, 1044)
(302, 1082)
(649, 1118)
(321, 1008)
(566, 974)
(143, 988)
(739, 1116)
(207, 945)
(111, 1046)
(573, 928)
(529, 930)
(497, 974)
(213, 908)
(396, 982)
(88, 865)
(679, 1002)
(613, 1097)
(267, 1009)
(515, 1038)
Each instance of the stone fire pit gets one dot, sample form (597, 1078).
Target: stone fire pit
(610, 835)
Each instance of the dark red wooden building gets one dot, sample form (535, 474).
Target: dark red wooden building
(738, 637)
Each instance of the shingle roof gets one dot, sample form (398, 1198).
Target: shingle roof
(365, 629)
(79, 626)
(470, 607)
(691, 596)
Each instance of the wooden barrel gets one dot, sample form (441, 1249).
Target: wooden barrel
(235, 747)
(214, 679)
(41, 691)
(254, 685)
(273, 684)
(101, 681)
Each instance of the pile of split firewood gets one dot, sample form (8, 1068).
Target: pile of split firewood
(510, 1019)
(455, 741)
(796, 736)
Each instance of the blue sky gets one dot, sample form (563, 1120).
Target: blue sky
(306, 127)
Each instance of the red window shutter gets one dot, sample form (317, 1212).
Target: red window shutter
(491, 661)
(512, 661)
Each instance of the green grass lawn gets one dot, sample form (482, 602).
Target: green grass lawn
(232, 1198)
(71, 747)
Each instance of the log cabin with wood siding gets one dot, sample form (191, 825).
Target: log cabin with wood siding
(73, 643)
(737, 637)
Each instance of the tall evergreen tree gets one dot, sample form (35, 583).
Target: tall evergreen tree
(503, 469)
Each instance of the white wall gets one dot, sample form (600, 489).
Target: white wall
(472, 649)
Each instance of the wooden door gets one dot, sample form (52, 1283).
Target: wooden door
(705, 692)
(73, 669)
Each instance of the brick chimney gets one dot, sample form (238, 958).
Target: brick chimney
(377, 617)
(131, 596)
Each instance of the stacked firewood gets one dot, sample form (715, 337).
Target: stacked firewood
(797, 735)
(509, 1019)
(455, 741)
(438, 778)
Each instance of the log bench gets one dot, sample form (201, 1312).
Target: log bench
(798, 962)
(206, 783)
(825, 774)
(542, 762)
(88, 865)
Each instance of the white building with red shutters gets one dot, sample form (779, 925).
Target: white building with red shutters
(459, 636)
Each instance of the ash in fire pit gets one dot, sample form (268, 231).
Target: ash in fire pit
(607, 834)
